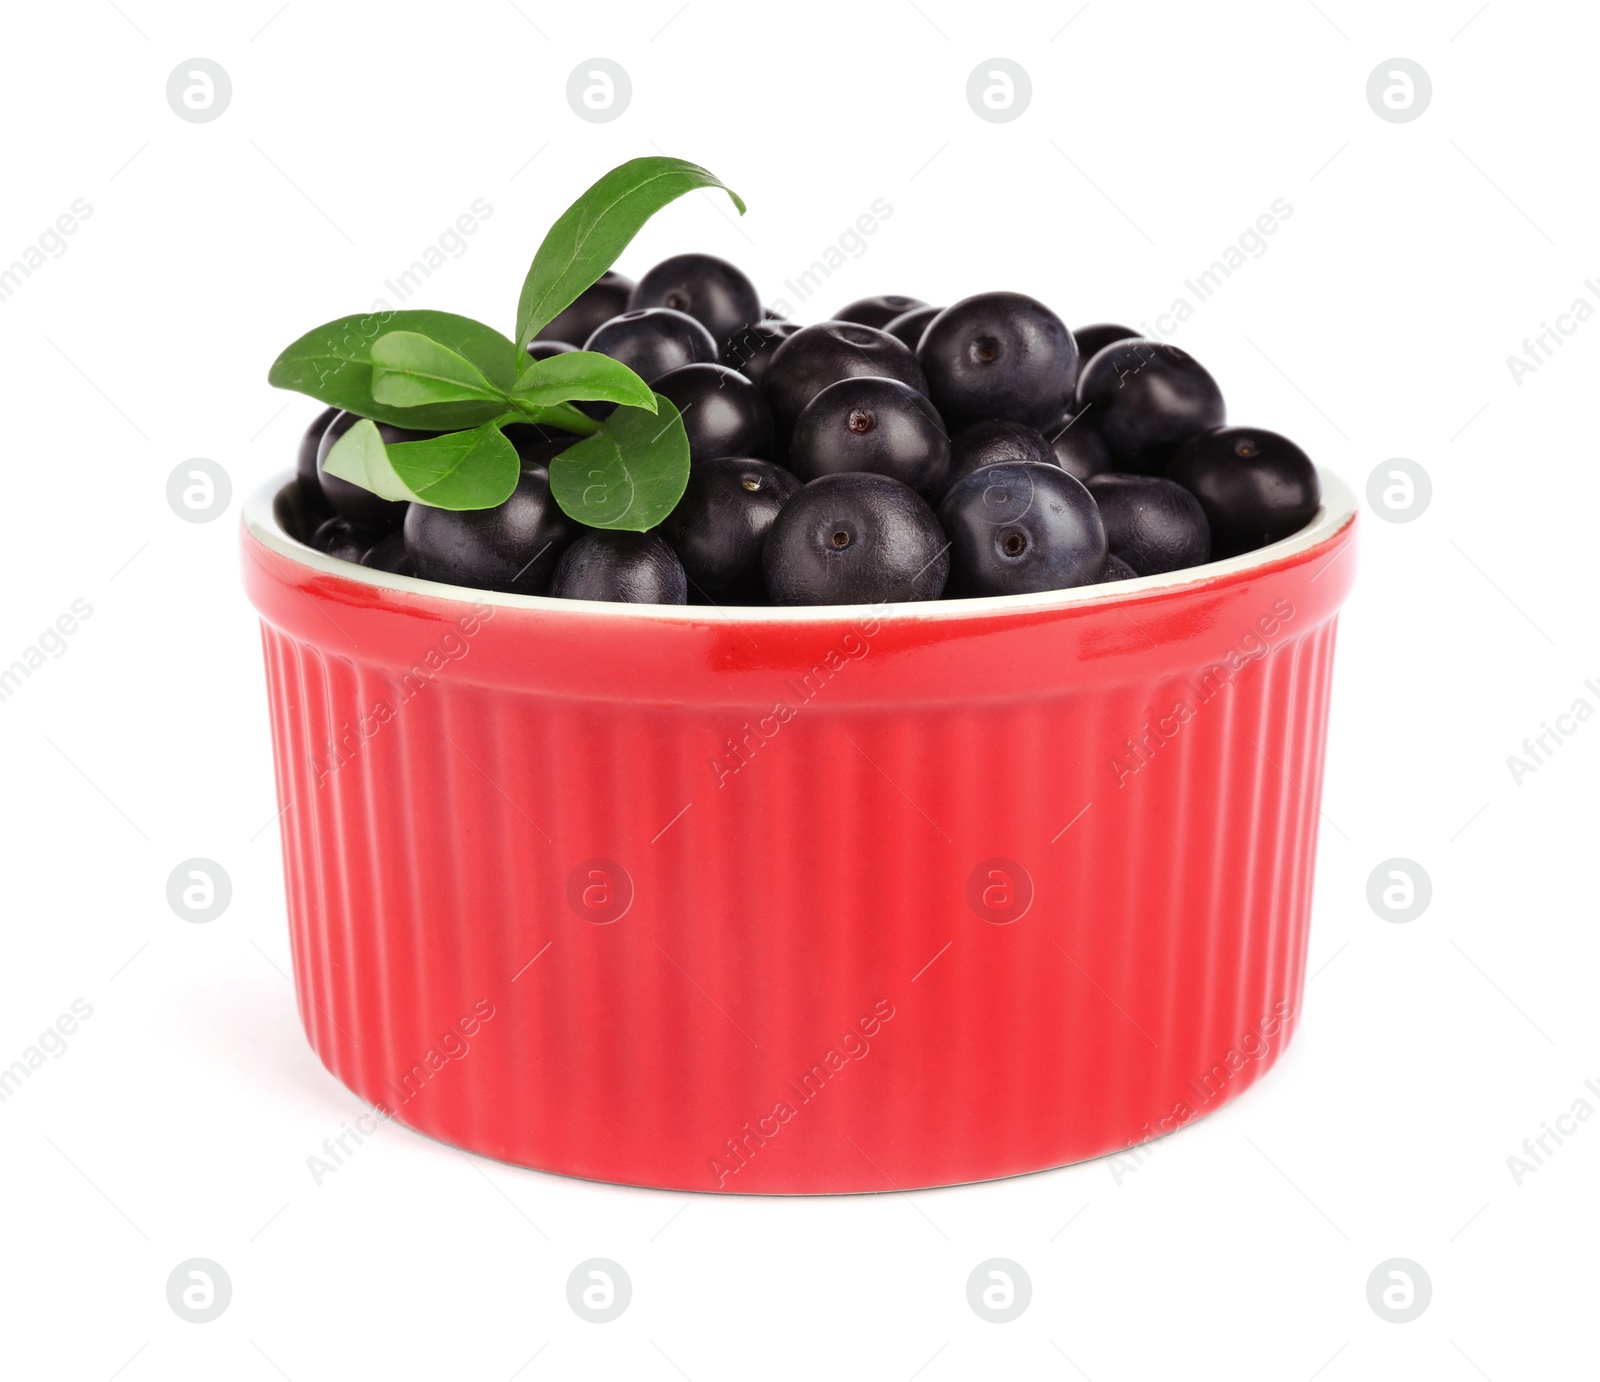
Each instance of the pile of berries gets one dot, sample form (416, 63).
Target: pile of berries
(895, 452)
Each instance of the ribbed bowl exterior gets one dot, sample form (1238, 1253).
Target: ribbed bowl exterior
(840, 904)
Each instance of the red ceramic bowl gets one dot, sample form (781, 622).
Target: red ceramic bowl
(799, 900)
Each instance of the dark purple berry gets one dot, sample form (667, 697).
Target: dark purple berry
(998, 355)
(603, 299)
(723, 413)
(1153, 524)
(1077, 447)
(389, 554)
(630, 568)
(826, 352)
(1255, 486)
(1018, 527)
(711, 290)
(305, 466)
(543, 350)
(1116, 569)
(720, 524)
(995, 440)
(1093, 339)
(750, 351)
(654, 341)
(339, 537)
(877, 311)
(909, 326)
(855, 539)
(514, 546)
(1145, 399)
(538, 445)
(880, 425)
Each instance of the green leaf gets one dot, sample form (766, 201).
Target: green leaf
(630, 474)
(333, 364)
(410, 369)
(476, 469)
(582, 374)
(595, 229)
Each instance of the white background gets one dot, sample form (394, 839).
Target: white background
(1417, 259)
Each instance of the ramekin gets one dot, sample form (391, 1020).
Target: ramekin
(800, 901)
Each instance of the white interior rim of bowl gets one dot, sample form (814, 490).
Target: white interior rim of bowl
(1338, 508)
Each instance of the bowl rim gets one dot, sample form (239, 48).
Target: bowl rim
(1337, 512)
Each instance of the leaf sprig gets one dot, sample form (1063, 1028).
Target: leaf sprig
(437, 372)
